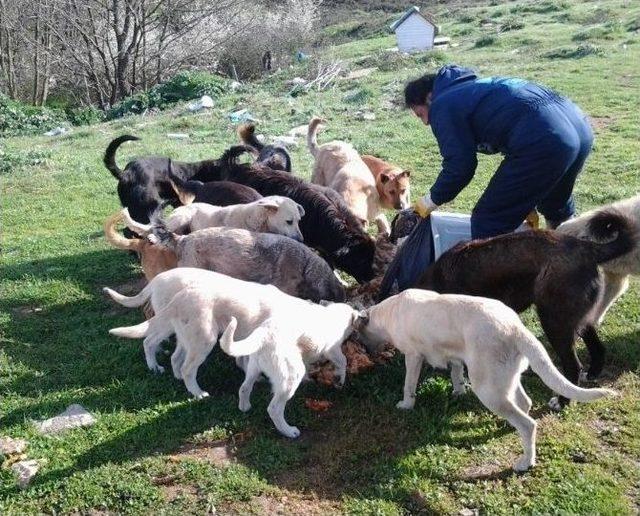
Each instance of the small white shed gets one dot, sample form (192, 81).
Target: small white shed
(415, 31)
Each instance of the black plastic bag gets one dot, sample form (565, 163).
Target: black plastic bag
(410, 261)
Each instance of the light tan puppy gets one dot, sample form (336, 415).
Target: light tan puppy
(392, 183)
(339, 166)
(153, 258)
(483, 334)
(273, 214)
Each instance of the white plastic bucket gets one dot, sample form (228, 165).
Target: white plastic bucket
(448, 229)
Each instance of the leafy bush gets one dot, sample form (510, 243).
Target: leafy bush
(183, 86)
(511, 24)
(17, 118)
(12, 161)
(85, 115)
(606, 31)
(486, 41)
(574, 52)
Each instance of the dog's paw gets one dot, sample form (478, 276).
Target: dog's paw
(584, 376)
(292, 432)
(555, 404)
(244, 406)
(460, 391)
(157, 369)
(177, 374)
(202, 395)
(405, 405)
(523, 464)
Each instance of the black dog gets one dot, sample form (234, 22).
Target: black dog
(328, 225)
(555, 272)
(272, 156)
(218, 193)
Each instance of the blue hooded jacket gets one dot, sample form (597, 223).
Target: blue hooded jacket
(469, 115)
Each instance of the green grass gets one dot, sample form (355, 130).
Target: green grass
(362, 456)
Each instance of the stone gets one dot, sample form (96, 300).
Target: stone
(300, 130)
(74, 416)
(178, 136)
(9, 446)
(285, 141)
(25, 471)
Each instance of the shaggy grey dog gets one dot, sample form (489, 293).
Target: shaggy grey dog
(259, 257)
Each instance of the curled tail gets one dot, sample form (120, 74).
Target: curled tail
(138, 227)
(247, 135)
(115, 238)
(542, 365)
(606, 224)
(110, 154)
(312, 131)
(231, 155)
(133, 301)
(185, 190)
(244, 347)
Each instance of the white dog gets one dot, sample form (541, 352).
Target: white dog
(616, 272)
(273, 214)
(282, 347)
(483, 334)
(196, 305)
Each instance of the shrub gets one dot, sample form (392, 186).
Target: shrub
(574, 52)
(486, 41)
(358, 95)
(606, 31)
(85, 115)
(511, 24)
(546, 6)
(183, 86)
(17, 118)
(12, 161)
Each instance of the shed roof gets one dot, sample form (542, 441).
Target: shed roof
(408, 13)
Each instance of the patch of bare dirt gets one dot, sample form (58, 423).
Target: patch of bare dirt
(289, 503)
(218, 453)
(601, 122)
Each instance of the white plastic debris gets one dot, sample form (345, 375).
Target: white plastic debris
(178, 136)
(205, 102)
(56, 131)
(9, 446)
(285, 141)
(74, 417)
(365, 115)
(235, 85)
(25, 471)
(297, 81)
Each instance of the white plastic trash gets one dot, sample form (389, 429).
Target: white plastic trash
(448, 229)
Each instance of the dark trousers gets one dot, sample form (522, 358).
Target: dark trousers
(537, 171)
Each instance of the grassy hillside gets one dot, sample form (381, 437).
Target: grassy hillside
(153, 450)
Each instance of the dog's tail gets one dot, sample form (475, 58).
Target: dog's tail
(541, 363)
(157, 329)
(247, 135)
(312, 131)
(185, 190)
(231, 155)
(138, 227)
(606, 224)
(241, 348)
(115, 238)
(110, 154)
(131, 301)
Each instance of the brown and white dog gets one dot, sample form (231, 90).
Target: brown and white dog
(153, 258)
(339, 166)
(392, 183)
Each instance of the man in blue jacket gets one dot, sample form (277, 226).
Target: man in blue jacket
(545, 140)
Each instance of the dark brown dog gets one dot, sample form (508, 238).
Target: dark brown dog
(555, 272)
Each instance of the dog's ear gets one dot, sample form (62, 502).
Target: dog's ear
(360, 319)
(269, 204)
(384, 178)
(405, 173)
(301, 210)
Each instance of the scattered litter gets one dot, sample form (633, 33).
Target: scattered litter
(235, 85)
(178, 136)
(365, 115)
(205, 102)
(301, 56)
(9, 446)
(56, 131)
(317, 405)
(357, 358)
(243, 115)
(358, 74)
(285, 141)
(469, 512)
(297, 81)
(25, 470)
(301, 130)
(75, 416)
(441, 42)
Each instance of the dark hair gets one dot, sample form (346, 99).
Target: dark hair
(416, 91)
